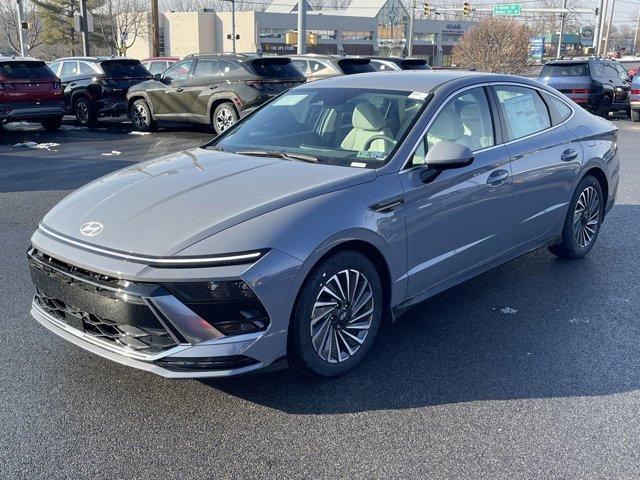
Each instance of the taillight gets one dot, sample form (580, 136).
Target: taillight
(255, 84)
(580, 90)
(635, 91)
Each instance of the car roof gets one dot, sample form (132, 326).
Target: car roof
(94, 59)
(19, 59)
(235, 56)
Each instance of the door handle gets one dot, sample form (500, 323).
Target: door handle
(179, 89)
(497, 177)
(569, 154)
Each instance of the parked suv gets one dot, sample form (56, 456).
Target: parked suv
(316, 67)
(599, 85)
(29, 91)
(635, 98)
(214, 89)
(399, 63)
(96, 86)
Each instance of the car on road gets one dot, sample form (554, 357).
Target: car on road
(30, 91)
(210, 89)
(295, 232)
(399, 63)
(317, 67)
(635, 98)
(95, 87)
(599, 85)
(157, 65)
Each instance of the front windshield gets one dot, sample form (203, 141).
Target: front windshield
(339, 126)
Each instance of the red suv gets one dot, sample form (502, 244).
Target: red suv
(30, 91)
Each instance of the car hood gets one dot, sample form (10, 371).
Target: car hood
(160, 207)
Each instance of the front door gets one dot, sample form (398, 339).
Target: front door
(169, 102)
(460, 219)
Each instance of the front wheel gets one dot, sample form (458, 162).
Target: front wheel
(336, 317)
(224, 116)
(583, 220)
(51, 124)
(141, 116)
(635, 115)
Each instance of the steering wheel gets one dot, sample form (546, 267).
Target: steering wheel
(368, 143)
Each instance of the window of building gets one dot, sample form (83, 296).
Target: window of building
(355, 35)
(273, 32)
(324, 34)
(451, 37)
(425, 37)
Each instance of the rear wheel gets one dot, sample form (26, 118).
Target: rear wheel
(85, 114)
(224, 116)
(336, 317)
(605, 107)
(141, 116)
(51, 124)
(583, 220)
(635, 115)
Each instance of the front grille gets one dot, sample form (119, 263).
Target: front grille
(139, 338)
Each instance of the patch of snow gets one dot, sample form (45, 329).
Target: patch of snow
(508, 310)
(578, 320)
(112, 153)
(135, 132)
(40, 146)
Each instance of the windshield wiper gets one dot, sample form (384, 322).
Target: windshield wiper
(279, 154)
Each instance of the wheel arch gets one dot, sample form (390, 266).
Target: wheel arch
(140, 96)
(218, 101)
(602, 179)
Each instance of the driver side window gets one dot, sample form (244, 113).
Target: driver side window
(465, 119)
(179, 71)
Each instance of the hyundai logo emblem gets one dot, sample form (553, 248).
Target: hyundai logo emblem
(91, 229)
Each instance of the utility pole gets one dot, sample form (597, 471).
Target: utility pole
(412, 18)
(606, 40)
(84, 28)
(564, 5)
(233, 25)
(635, 36)
(21, 31)
(302, 27)
(155, 29)
(597, 34)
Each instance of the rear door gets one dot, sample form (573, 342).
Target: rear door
(28, 82)
(545, 160)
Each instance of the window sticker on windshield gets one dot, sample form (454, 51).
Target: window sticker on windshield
(418, 95)
(289, 100)
(371, 154)
(358, 164)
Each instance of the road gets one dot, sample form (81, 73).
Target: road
(531, 370)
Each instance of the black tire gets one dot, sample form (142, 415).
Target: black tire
(628, 112)
(572, 244)
(223, 117)
(52, 124)
(304, 354)
(605, 107)
(84, 112)
(635, 115)
(140, 115)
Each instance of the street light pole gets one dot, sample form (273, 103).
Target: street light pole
(559, 54)
(23, 50)
(635, 36)
(302, 27)
(155, 29)
(597, 35)
(233, 25)
(84, 28)
(606, 40)
(412, 18)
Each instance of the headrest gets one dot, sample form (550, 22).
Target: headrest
(447, 126)
(367, 117)
(470, 113)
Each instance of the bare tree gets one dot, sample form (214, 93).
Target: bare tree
(495, 45)
(10, 27)
(122, 22)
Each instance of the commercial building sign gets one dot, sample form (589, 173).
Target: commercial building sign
(278, 48)
(536, 47)
(586, 36)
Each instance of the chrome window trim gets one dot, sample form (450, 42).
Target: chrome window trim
(487, 84)
(162, 261)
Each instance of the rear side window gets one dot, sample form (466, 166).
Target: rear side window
(69, 69)
(206, 68)
(24, 70)
(565, 70)
(300, 65)
(226, 66)
(272, 67)
(315, 66)
(524, 111)
(120, 68)
(353, 66)
(559, 110)
(156, 67)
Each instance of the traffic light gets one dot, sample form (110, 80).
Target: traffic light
(466, 9)
(426, 9)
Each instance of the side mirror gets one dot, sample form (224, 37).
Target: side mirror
(157, 77)
(443, 156)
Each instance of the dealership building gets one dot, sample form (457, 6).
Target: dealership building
(365, 27)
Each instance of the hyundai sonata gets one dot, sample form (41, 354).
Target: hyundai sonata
(336, 205)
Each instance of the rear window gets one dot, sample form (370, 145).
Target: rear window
(350, 66)
(415, 65)
(25, 70)
(272, 67)
(120, 68)
(565, 70)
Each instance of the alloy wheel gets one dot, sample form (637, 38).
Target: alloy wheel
(82, 112)
(224, 119)
(139, 116)
(342, 316)
(586, 217)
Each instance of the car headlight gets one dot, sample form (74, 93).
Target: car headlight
(231, 307)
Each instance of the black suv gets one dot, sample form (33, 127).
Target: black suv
(597, 84)
(214, 89)
(96, 86)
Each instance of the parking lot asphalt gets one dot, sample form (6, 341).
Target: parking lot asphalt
(531, 370)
